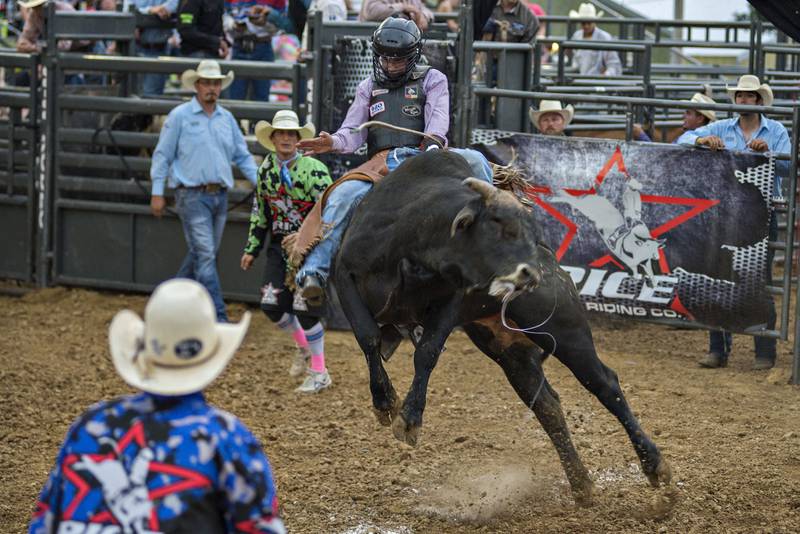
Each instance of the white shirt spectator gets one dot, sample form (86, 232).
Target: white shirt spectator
(597, 62)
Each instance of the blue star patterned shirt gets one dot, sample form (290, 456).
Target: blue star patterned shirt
(195, 149)
(147, 463)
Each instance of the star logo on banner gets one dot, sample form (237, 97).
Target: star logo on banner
(539, 194)
(180, 478)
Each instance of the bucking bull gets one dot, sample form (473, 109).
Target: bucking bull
(430, 249)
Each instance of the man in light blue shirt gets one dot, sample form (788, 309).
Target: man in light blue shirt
(749, 132)
(198, 143)
(152, 42)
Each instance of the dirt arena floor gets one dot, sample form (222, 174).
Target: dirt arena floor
(484, 464)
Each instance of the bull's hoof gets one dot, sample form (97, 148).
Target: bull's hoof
(384, 417)
(661, 476)
(404, 431)
(584, 497)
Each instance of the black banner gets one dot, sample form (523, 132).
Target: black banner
(652, 231)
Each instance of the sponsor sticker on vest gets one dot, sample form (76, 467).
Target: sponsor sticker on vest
(412, 92)
(377, 107)
(378, 92)
(412, 110)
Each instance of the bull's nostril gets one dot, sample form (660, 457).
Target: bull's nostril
(525, 271)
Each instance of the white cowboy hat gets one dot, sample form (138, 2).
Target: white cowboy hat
(585, 11)
(32, 3)
(285, 119)
(751, 83)
(179, 348)
(207, 69)
(551, 106)
(700, 98)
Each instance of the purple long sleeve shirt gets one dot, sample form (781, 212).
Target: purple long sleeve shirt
(437, 112)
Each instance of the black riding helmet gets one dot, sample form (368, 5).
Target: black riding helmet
(395, 38)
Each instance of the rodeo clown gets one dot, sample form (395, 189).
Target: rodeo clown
(288, 186)
(399, 92)
(163, 460)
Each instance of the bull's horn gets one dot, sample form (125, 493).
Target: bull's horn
(486, 190)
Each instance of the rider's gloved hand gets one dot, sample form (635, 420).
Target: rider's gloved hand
(428, 144)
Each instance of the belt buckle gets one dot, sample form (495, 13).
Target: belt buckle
(213, 188)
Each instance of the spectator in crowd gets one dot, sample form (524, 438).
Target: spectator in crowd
(398, 92)
(551, 118)
(199, 141)
(594, 62)
(696, 118)
(445, 6)
(162, 460)
(301, 10)
(152, 42)
(692, 119)
(539, 11)
(380, 10)
(751, 132)
(32, 38)
(200, 28)
(289, 184)
(255, 23)
(511, 22)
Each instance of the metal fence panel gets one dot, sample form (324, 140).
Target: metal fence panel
(16, 238)
(121, 246)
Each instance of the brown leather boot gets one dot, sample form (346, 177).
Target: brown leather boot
(762, 364)
(713, 360)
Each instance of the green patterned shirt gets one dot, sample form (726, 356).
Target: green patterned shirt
(288, 207)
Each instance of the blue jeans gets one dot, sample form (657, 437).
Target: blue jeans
(765, 347)
(480, 165)
(152, 84)
(342, 203)
(238, 91)
(336, 216)
(203, 218)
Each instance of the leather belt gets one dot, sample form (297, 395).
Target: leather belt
(206, 188)
(239, 41)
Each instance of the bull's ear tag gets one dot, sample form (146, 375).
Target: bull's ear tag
(463, 220)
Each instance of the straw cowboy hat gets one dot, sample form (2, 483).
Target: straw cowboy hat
(285, 119)
(751, 83)
(700, 98)
(585, 11)
(207, 69)
(32, 3)
(551, 106)
(179, 348)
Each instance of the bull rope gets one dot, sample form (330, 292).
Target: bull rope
(399, 129)
(530, 330)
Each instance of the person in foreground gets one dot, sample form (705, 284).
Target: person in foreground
(163, 460)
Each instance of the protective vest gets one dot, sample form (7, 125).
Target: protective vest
(402, 106)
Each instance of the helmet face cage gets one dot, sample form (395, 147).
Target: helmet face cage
(382, 75)
(395, 38)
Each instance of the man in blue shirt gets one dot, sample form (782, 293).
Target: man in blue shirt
(163, 460)
(199, 141)
(152, 42)
(696, 118)
(749, 132)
